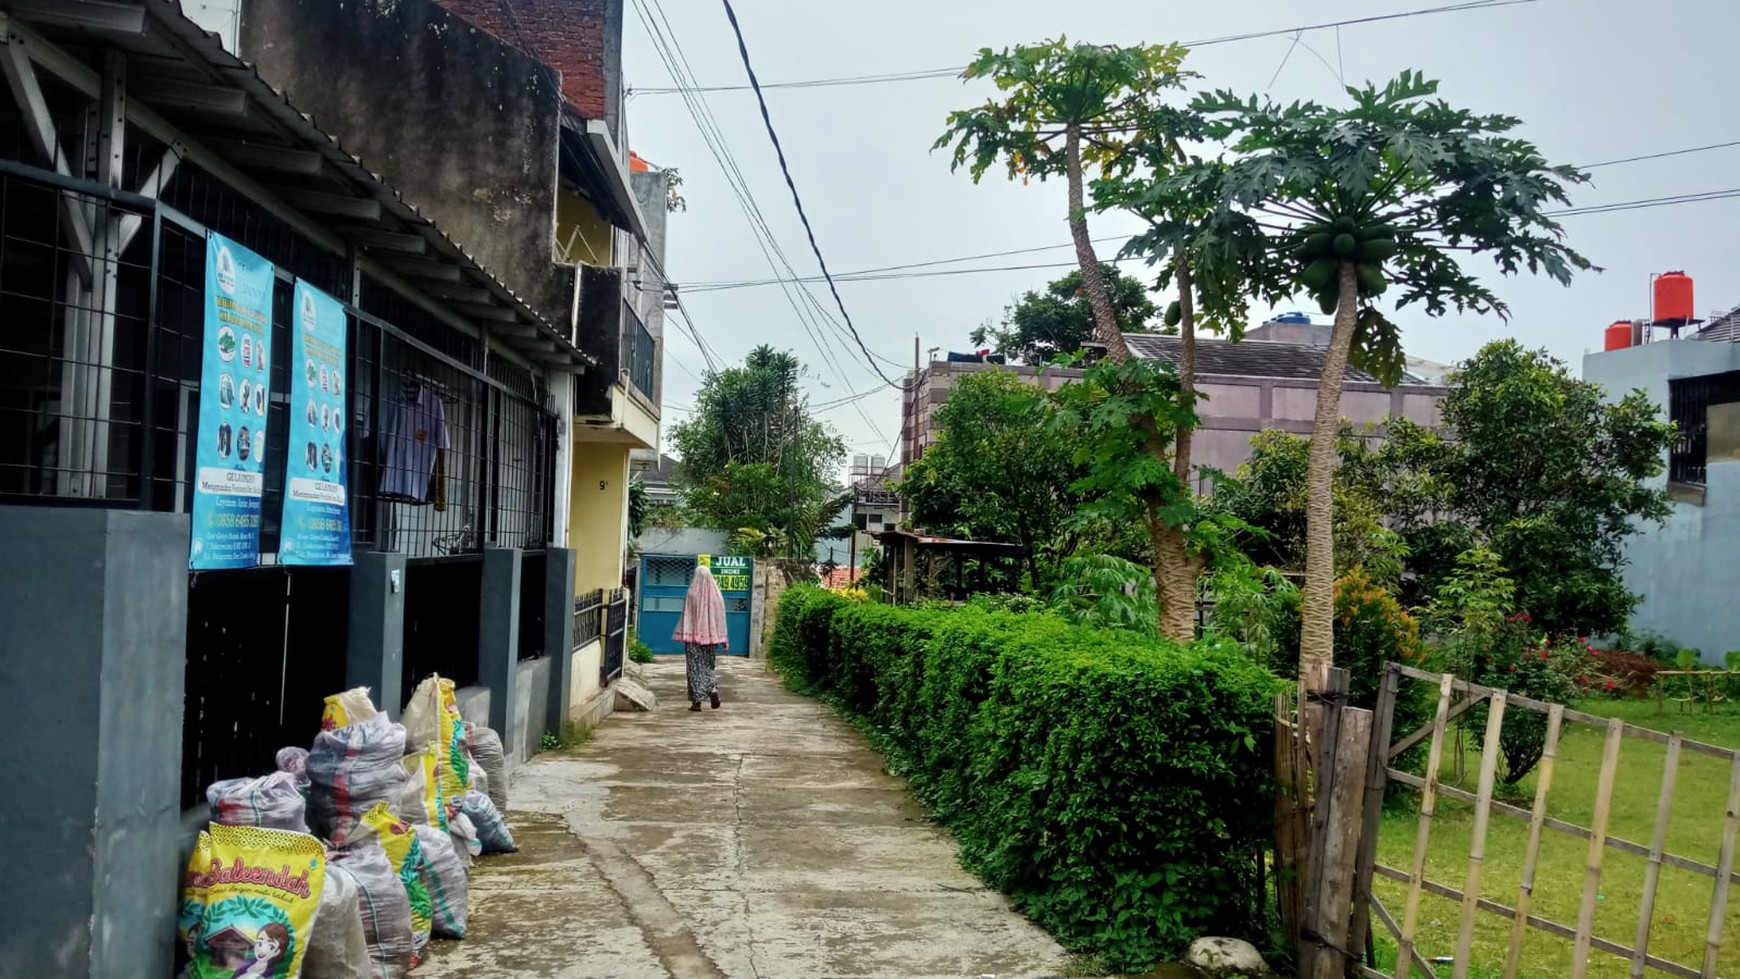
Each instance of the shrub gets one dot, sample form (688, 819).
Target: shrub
(1512, 656)
(1115, 786)
(1629, 673)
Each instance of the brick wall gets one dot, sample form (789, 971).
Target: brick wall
(581, 39)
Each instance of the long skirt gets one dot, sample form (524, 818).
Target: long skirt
(702, 661)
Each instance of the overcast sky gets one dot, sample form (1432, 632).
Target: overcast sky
(1593, 80)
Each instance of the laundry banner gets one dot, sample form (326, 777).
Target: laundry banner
(316, 525)
(234, 396)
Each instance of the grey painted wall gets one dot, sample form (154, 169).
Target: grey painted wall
(530, 717)
(1685, 569)
(93, 630)
(463, 124)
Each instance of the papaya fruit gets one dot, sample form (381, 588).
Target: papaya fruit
(1371, 280)
(1320, 274)
(1372, 231)
(1316, 245)
(1375, 250)
(1327, 301)
(1174, 313)
(1344, 245)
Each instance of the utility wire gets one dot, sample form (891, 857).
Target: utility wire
(1662, 155)
(935, 73)
(779, 151)
(1648, 202)
(676, 62)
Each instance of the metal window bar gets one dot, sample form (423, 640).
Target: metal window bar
(1689, 401)
(588, 618)
(639, 351)
(615, 636)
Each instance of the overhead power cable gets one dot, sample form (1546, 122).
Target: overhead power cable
(1648, 202)
(936, 73)
(810, 232)
(1661, 155)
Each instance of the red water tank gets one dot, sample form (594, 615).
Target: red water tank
(1673, 298)
(1619, 335)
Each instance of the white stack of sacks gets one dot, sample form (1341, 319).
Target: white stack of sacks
(399, 810)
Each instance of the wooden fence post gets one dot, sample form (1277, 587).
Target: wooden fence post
(1291, 820)
(1377, 776)
(1335, 858)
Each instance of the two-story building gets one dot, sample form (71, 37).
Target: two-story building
(1684, 568)
(326, 331)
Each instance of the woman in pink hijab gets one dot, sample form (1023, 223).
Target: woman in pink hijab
(701, 630)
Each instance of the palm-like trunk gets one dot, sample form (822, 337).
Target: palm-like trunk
(1094, 284)
(1317, 633)
(1175, 571)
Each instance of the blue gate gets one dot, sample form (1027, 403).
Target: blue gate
(664, 581)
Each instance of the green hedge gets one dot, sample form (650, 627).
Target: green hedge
(1116, 787)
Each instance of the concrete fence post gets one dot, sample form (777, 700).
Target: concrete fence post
(498, 637)
(562, 564)
(93, 662)
(376, 656)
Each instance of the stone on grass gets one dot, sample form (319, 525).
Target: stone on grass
(1225, 957)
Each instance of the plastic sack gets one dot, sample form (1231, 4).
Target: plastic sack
(465, 841)
(294, 761)
(250, 902)
(432, 715)
(274, 801)
(350, 707)
(338, 947)
(421, 802)
(484, 744)
(383, 904)
(350, 769)
(405, 854)
(445, 876)
(492, 830)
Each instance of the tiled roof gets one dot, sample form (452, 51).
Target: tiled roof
(1250, 358)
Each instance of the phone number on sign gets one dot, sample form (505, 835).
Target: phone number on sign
(235, 520)
(733, 582)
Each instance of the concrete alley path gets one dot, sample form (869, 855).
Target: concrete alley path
(764, 840)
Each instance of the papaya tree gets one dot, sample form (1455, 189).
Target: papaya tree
(1396, 194)
(1066, 108)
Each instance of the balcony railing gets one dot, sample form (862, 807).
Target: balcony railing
(639, 352)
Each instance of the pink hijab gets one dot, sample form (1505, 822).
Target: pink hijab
(703, 619)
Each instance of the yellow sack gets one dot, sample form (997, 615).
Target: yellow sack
(424, 800)
(347, 708)
(399, 840)
(432, 714)
(250, 900)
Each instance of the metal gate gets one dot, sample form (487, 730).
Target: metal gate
(664, 581)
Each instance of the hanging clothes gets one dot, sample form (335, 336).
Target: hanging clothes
(416, 439)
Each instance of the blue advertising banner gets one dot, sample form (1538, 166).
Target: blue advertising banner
(316, 525)
(234, 394)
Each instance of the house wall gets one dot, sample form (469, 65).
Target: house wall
(1685, 567)
(1233, 409)
(581, 39)
(598, 520)
(469, 136)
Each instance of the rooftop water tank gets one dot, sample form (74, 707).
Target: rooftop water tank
(1673, 298)
(1619, 335)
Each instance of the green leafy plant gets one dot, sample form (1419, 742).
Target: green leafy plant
(640, 652)
(1114, 785)
(1385, 191)
(1107, 592)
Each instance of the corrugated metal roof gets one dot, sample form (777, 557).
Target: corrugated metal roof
(1249, 358)
(173, 45)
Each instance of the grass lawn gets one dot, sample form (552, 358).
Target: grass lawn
(1683, 899)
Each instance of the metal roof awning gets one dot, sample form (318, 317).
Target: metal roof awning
(601, 167)
(214, 110)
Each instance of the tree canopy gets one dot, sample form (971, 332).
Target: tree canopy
(754, 457)
(1001, 469)
(1041, 326)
